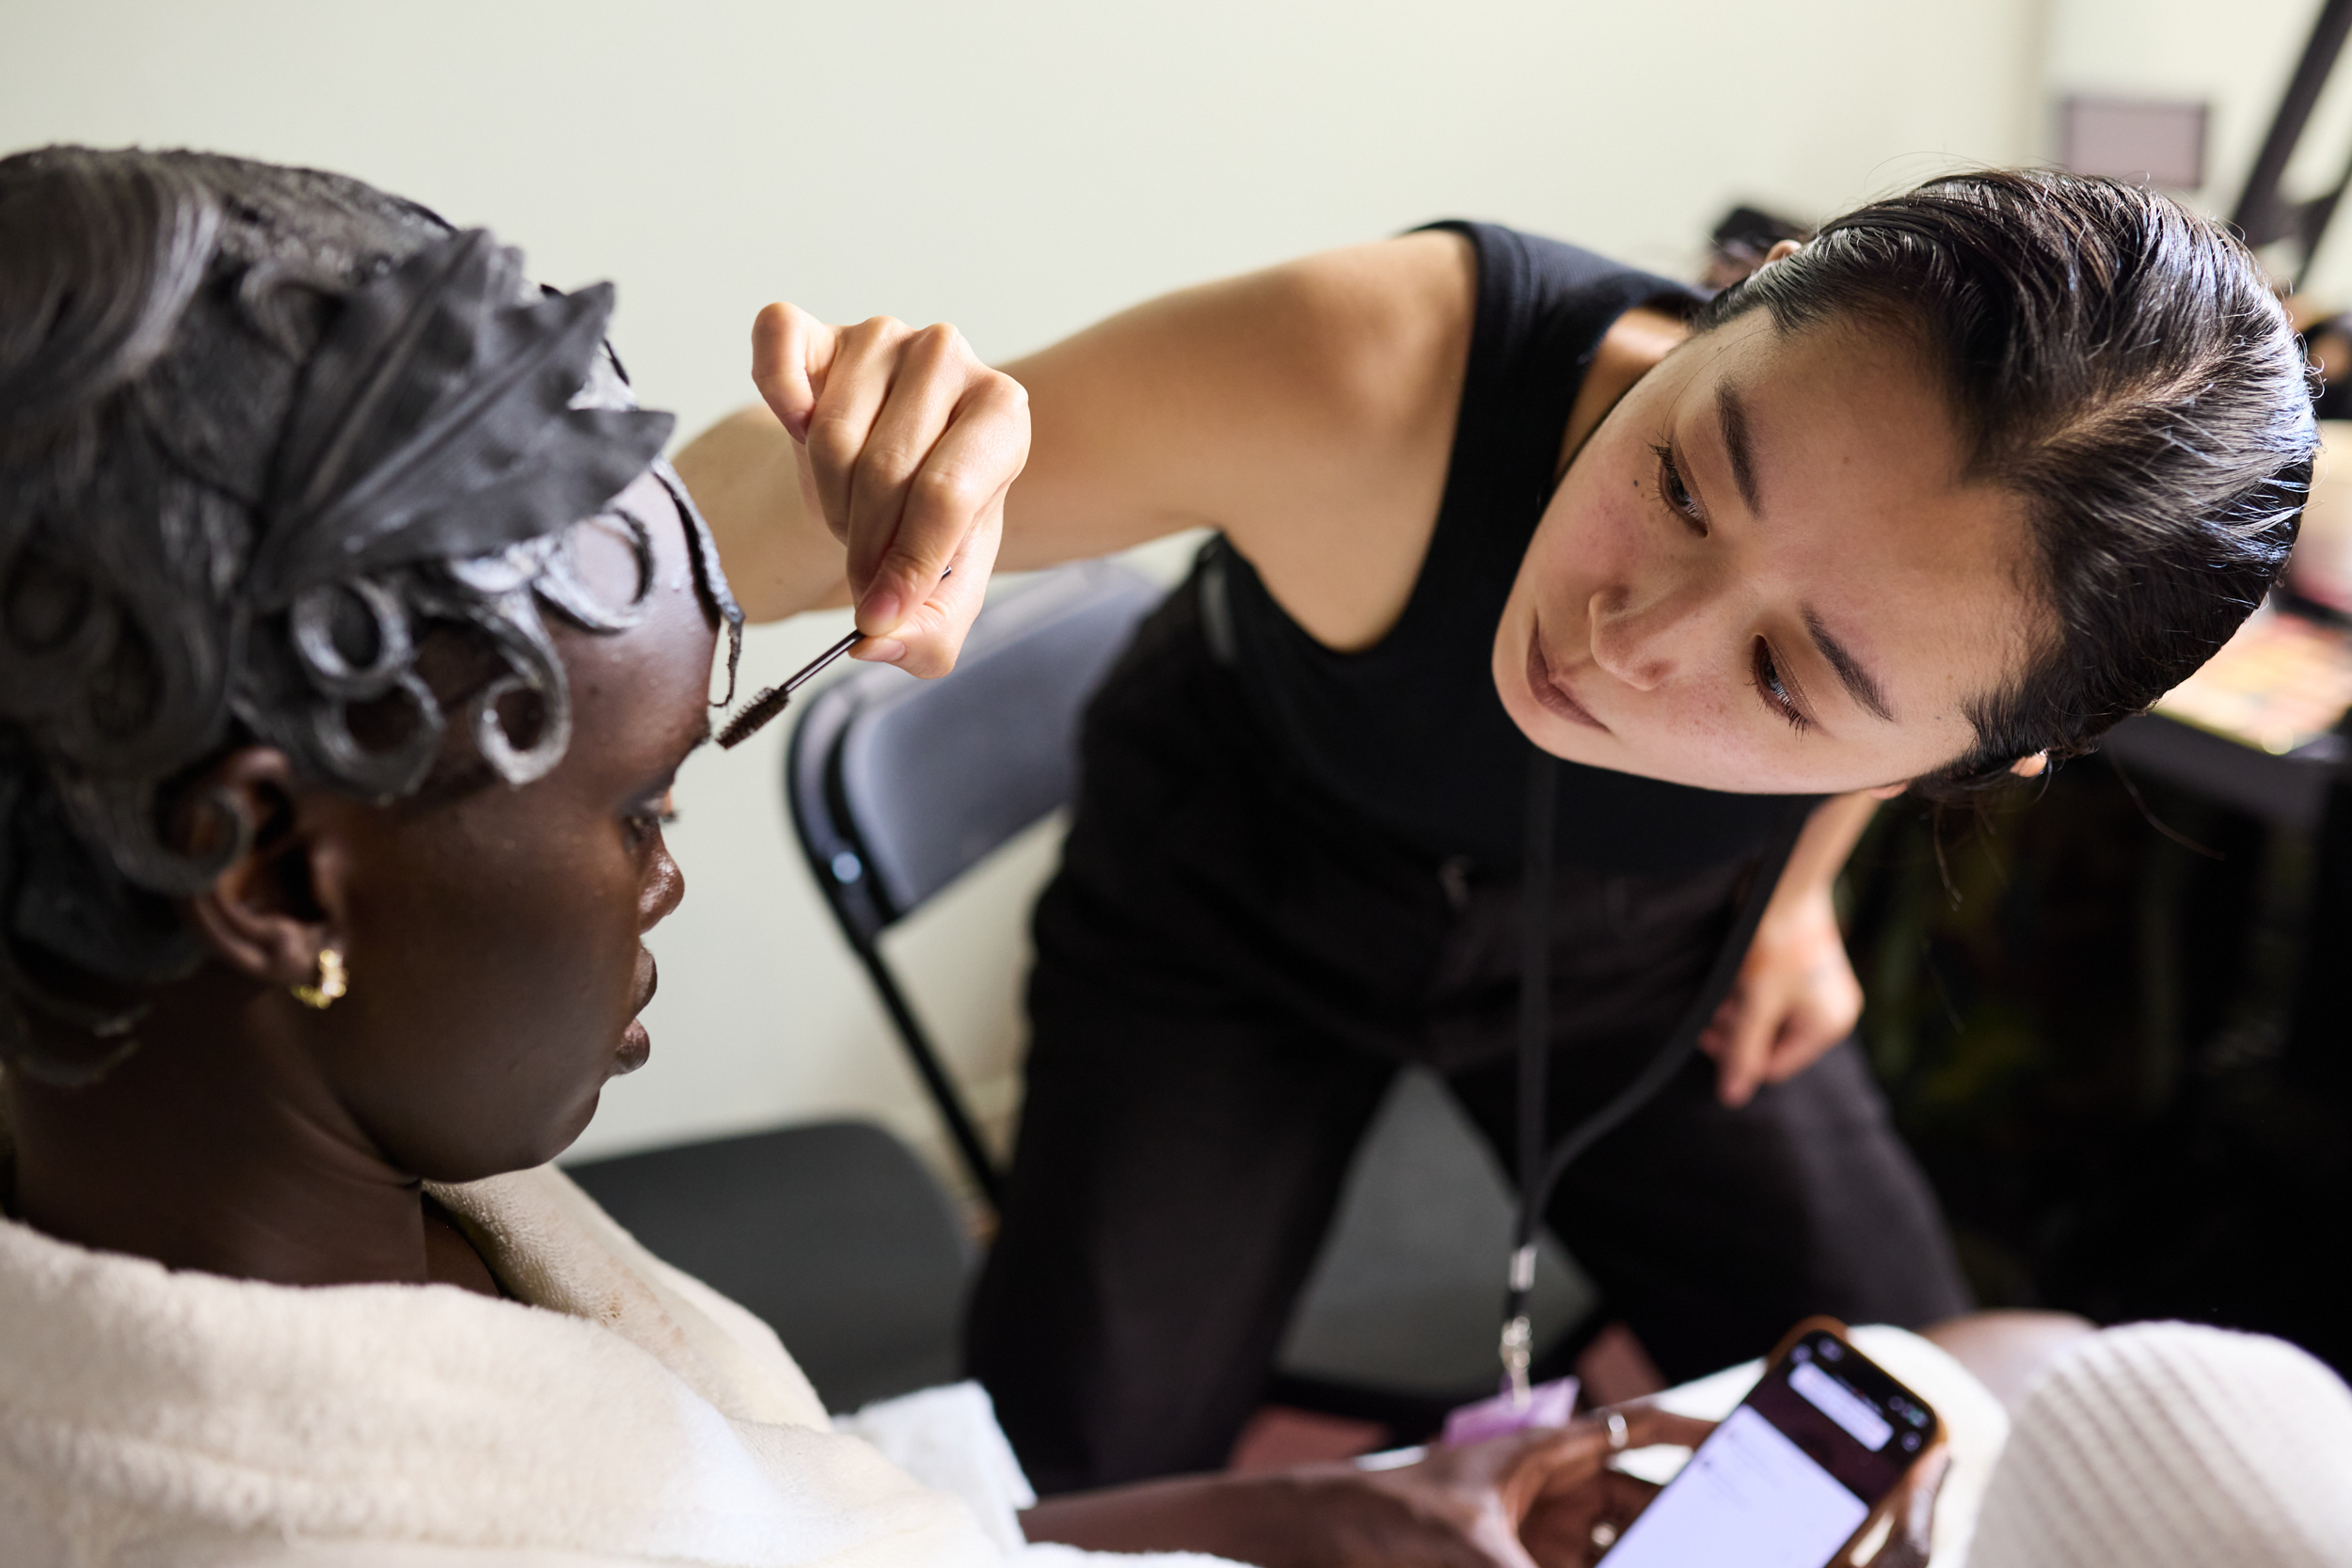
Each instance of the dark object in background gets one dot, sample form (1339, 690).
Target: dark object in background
(833, 1234)
(2097, 1053)
(2263, 214)
(2329, 346)
(1742, 241)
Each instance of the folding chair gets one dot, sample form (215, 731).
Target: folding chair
(897, 786)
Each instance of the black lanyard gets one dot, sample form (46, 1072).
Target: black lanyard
(1541, 1166)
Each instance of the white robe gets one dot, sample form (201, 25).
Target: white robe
(616, 1412)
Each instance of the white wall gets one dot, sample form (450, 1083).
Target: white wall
(1019, 169)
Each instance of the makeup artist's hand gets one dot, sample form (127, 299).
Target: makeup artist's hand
(906, 445)
(1796, 996)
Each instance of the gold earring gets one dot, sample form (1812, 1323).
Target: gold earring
(333, 982)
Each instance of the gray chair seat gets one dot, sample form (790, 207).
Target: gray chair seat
(833, 1234)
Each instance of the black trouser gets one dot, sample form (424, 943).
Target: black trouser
(1231, 971)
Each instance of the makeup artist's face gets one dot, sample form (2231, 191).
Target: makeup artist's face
(1760, 574)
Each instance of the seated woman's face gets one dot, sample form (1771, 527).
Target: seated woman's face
(494, 942)
(1762, 574)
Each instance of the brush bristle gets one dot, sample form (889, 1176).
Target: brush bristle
(754, 717)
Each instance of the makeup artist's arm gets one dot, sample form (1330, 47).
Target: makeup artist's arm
(1796, 996)
(1306, 410)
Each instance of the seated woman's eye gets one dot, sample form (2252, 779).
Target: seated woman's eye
(649, 818)
(1674, 493)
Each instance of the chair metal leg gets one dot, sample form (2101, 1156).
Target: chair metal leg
(985, 1175)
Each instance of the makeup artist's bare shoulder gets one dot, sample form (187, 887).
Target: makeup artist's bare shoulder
(1391, 324)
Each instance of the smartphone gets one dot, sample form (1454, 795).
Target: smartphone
(1794, 1474)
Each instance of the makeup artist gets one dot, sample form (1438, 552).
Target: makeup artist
(1556, 622)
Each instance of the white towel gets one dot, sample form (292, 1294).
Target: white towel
(628, 1415)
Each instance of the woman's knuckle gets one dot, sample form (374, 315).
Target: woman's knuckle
(943, 490)
(833, 444)
(995, 391)
(887, 462)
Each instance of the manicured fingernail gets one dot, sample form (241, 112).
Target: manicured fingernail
(882, 609)
(888, 650)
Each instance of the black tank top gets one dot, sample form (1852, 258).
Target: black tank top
(1410, 732)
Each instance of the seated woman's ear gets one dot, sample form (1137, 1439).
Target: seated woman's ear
(2032, 766)
(280, 901)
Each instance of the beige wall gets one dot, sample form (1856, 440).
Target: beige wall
(1019, 168)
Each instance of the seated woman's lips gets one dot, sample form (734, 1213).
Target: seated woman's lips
(1548, 691)
(636, 1046)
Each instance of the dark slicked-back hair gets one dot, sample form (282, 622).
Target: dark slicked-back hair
(266, 436)
(2120, 365)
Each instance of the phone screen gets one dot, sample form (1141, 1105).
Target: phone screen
(1792, 1474)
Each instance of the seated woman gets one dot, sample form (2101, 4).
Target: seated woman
(351, 635)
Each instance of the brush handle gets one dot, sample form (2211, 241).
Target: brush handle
(756, 714)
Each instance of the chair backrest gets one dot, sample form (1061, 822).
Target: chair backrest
(834, 1233)
(899, 786)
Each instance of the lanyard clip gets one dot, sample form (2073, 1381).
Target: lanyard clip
(1518, 1335)
(1517, 1340)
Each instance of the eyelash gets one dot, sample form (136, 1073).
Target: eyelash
(1670, 483)
(643, 825)
(1765, 671)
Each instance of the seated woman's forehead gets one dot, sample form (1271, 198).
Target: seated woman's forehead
(651, 683)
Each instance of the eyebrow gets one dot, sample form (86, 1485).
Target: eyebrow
(1734, 415)
(701, 739)
(1859, 683)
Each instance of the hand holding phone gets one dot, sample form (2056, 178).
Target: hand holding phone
(1796, 1474)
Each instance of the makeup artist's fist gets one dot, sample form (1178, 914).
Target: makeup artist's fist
(1796, 997)
(906, 445)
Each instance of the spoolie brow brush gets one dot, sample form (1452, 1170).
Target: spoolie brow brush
(760, 709)
(755, 716)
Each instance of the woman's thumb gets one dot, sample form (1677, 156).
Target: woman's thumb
(791, 350)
